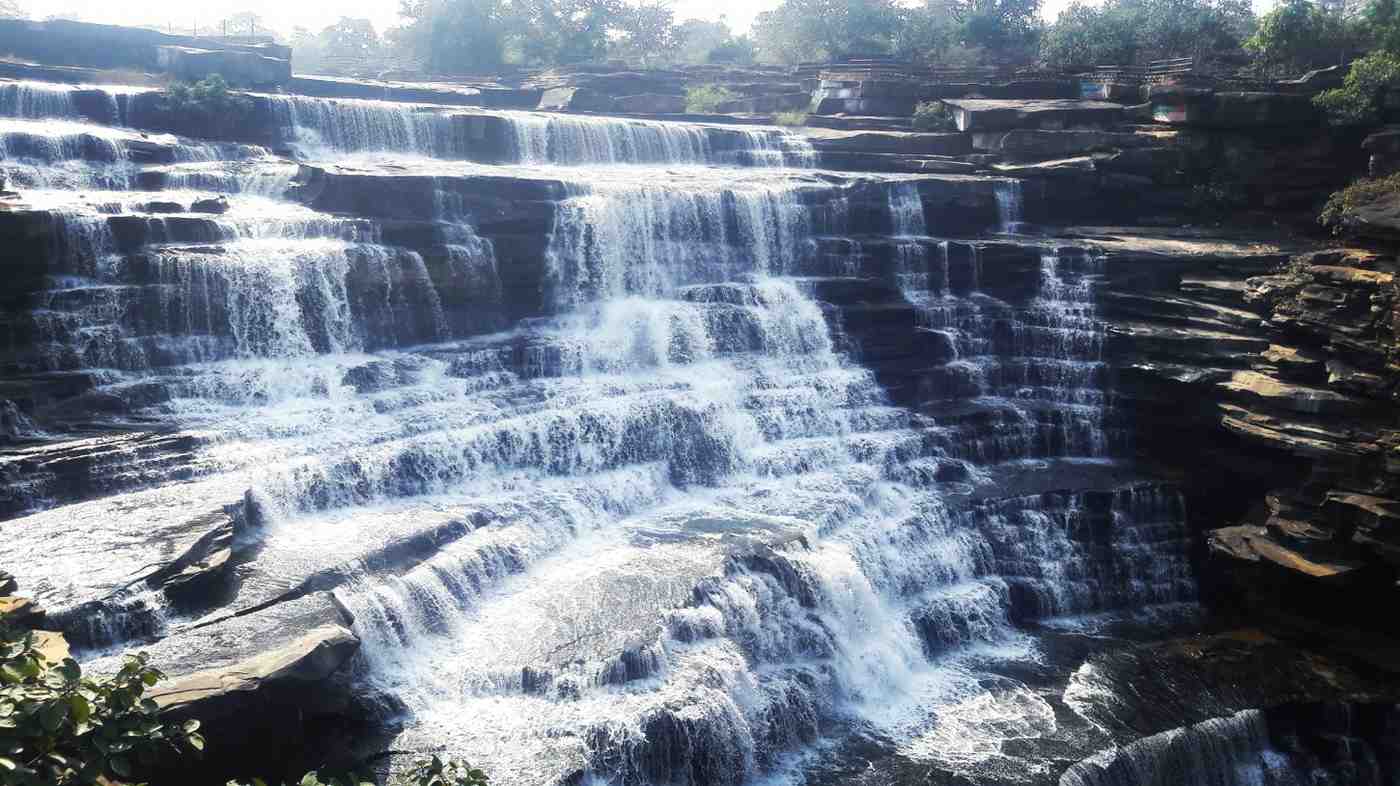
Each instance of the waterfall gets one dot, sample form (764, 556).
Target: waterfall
(575, 139)
(1231, 751)
(600, 458)
(1008, 195)
(36, 99)
(647, 239)
(321, 126)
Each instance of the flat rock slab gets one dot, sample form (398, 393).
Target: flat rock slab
(942, 144)
(976, 114)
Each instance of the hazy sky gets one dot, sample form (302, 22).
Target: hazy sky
(286, 14)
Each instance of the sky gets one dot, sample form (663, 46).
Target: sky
(286, 14)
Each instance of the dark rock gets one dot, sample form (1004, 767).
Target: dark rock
(216, 205)
(650, 104)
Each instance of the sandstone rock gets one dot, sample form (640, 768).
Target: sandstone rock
(1293, 397)
(52, 646)
(1294, 364)
(256, 682)
(985, 115)
(1253, 544)
(766, 104)
(938, 144)
(23, 613)
(1028, 143)
(650, 104)
(1299, 435)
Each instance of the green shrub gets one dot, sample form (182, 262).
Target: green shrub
(705, 99)
(1358, 100)
(206, 107)
(59, 729)
(1362, 192)
(210, 94)
(790, 118)
(934, 116)
(430, 772)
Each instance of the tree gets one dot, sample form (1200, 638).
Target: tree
(648, 32)
(1004, 26)
(244, 23)
(799, 30)
(926, 33)
(1122, 32)
(351, 40)
(455, 36)
(1298, 35)
(1358, 101)
(1084, 36)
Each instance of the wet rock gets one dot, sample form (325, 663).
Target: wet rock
(256, 683)
(216, 205)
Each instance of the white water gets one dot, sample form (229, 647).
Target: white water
(687, 536)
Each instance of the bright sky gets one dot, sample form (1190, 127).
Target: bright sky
(286, 14)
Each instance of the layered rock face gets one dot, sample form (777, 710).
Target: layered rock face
(595, 447)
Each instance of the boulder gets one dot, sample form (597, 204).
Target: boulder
(52, 646)
(215, 205)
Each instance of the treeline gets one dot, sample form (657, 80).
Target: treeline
(464, 36)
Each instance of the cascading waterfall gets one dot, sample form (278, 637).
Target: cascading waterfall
(1231, 751)
(327, 126)
(1008, 194)
(645, 239)
(36, 99)
(573, 139)
(652, 526)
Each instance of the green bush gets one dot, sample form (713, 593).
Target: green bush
(790, 118)
(431, 772)
(205, 107)
(1360, 193)
(59, 729)
(934, 116)
(1358, 100)
(210, 94)
(705, 99)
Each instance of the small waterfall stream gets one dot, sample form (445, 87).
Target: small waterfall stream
(679, 532)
